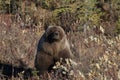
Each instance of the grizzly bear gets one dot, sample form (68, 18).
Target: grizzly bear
(52, 46)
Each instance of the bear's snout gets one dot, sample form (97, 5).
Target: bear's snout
(56, 33)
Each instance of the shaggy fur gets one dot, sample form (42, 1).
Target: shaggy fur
(52, 46)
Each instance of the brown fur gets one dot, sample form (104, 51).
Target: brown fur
(53, 46)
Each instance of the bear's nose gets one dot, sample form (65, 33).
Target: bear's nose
(56, 33)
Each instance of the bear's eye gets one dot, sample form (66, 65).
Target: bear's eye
(58, 31)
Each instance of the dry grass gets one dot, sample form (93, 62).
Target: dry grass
(97, 57)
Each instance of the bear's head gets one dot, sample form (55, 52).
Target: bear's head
(54, 34)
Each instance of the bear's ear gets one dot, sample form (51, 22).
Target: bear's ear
(60, 27)
(49, 27)
(46, 27)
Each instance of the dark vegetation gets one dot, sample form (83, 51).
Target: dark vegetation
(92, 28)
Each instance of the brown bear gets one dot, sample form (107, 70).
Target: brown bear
(52, 46)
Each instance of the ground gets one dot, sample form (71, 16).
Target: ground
(96, 56)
